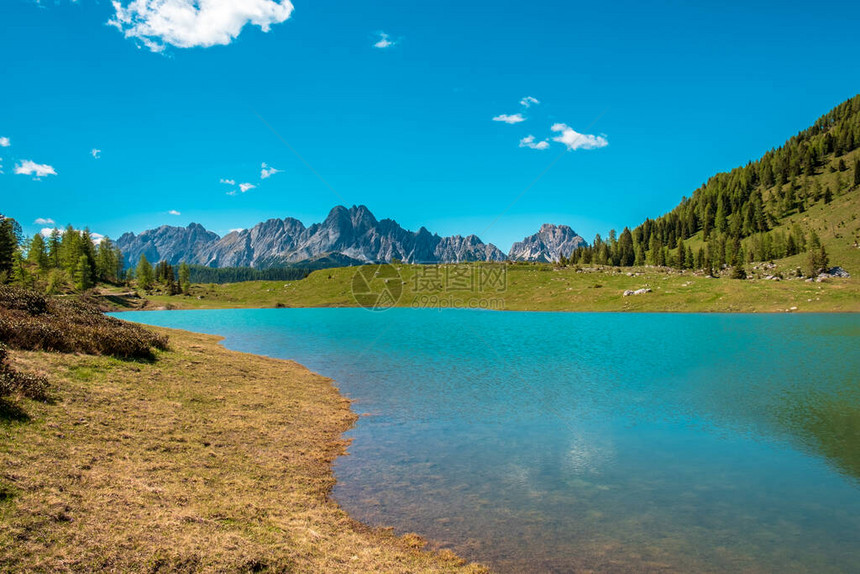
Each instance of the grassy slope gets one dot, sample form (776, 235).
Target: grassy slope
(206, 459)
(542, 288)
(836, 223)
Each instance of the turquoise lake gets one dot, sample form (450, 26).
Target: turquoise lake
(558, 442)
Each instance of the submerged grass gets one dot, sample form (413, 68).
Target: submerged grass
(203, 460)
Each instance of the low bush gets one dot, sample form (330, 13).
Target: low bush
(31, 321)
(12, 381)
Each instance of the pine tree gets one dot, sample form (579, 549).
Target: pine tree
(184, 277)
(144, 274)
(83, 274)
(857, 172)
(106, 261)
(54, 242)
(9, 230)
(816, 259)
(626, 254)
(738, 271)
(36, 253)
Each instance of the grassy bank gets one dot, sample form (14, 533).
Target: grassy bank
(200, 460)
(545, 288)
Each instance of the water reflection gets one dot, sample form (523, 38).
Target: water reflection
(559, 442)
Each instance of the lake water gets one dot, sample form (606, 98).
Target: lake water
(557, 442)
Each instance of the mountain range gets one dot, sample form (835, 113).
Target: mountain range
(347, 236)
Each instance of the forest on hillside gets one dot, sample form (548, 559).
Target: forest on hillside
(734, 213)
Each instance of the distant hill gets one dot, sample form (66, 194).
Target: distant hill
(766, 210)
(815, 166)
(347, 237)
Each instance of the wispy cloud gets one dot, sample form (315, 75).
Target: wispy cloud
(243, 187)
(96, 153)
(509, 119)
(44, 221)
(173, 212)
(575, 140)
(237, 230)
(527, 101)
(268, 171)
(194, 23)
(384, 41)
(37, 170)
(4, 142)
(228, 181)
(529, 142)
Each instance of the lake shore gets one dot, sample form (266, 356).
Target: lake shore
(203, 460)
(532, 287)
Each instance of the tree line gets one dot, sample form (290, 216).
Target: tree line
(178, 280)
(69, 258)
(736, 211)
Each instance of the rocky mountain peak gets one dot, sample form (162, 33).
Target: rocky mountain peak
(548, 244)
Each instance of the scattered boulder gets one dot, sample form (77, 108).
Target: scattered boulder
(642, 291)
(838, 272)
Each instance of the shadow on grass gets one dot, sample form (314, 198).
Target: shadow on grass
(11, 412)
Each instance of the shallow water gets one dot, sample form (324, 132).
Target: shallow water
(552, 442)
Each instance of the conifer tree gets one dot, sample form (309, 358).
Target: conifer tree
(36, 253)
(83, 274)
(816, 259)
(54, 242)
(144, 274)
(9, 237)
(738, 271)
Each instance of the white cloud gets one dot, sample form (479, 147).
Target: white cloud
(4, 142)
(268, 171)
(228, 181)
(575, 140)
(237, 230)
(529, 141)
(173, 212)
(527, 101)
(28, 167)
(243, 187)
(47, 231)
(514, 119)
(194, 23)
(44, 221)
(384, 41)
(96, 153)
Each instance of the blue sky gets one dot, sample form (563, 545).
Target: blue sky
(663, 95)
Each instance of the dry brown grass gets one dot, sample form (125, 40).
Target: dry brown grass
(205, 460)
(30, 320)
